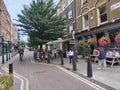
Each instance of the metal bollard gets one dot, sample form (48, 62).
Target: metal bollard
(74, 63)
(62, 62)
(48, 60)
(89, 68)
(11, 68)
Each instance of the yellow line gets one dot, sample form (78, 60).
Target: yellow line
(97, 87)
(22, 82)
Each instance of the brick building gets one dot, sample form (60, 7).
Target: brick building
(7, 29)
(67, 9)
(97, 18)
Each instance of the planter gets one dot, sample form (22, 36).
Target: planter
(117, 38)
(6, 82)
(104, 41)
(81, 43)
(92, 41)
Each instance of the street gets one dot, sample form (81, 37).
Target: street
(41, 76)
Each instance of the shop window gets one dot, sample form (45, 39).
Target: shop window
(70, 28)
(70, 14)
(102, 14)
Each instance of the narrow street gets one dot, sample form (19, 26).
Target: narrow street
(37, 76)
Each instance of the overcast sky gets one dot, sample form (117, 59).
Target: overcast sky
(14, 7)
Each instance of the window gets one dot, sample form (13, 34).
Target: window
(84, 2)
(102, 14)
(70, 28)
(85, 21)
(70, 14)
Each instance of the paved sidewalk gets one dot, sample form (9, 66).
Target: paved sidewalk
(110, 76)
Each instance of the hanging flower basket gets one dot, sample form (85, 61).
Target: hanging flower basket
(104, 41)
(80, 43)
(92, 41)
(117, 38)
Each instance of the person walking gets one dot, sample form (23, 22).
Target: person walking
(102, 59)
(71, 55)
(21, 53)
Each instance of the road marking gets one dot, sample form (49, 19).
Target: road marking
(21, 78)
(97, 87)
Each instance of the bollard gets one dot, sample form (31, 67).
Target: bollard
(74, 63)
(62, 62)
(89, 68)
(48, 59)
(11, 68)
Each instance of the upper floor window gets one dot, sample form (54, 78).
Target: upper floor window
(70, 28)
(85, 21)
(102, 14)
(84, 2)
(70, 14)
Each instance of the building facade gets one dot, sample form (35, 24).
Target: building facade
(7, 29)
(67, 9)
(97, 18)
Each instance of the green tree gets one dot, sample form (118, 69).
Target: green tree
(22, 43)
(40, 21)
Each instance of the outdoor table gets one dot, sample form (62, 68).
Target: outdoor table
(112, 60)
(94, 58)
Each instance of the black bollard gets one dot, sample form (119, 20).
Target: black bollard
(74, 62)
(62, 62)
(48, 59)
(89, 68)
(11, 68)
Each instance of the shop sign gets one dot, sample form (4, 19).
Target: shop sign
(115, 6)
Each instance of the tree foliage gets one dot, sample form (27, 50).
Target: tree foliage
(40, 21)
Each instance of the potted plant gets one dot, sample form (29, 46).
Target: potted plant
(92, 41)
(80, 43)
(117, 38)
(104, 41)
(6, 82)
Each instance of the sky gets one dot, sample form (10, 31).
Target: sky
(14, 7)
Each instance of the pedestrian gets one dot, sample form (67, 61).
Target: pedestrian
(71, 55)
(102, 59)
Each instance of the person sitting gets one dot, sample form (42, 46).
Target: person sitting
(115, 53)
(109, 53)
(96, 53)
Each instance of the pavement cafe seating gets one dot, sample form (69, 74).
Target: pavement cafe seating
(112, 60)
(94, 58)
(6, 82)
